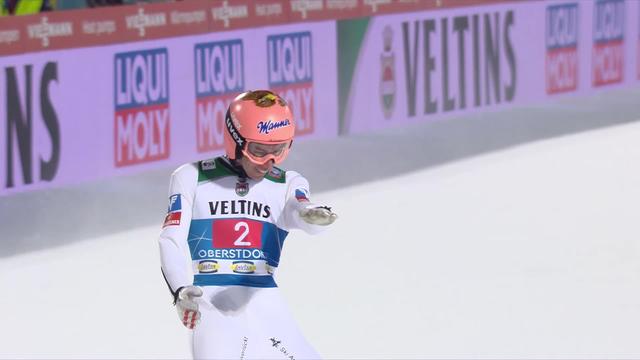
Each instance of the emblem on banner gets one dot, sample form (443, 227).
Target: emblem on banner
(387, 74)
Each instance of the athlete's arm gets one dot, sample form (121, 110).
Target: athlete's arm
(300, 212)
(174, 248)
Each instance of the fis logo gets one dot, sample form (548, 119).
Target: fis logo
(141, 106)
(208, 165)
(562, 48)
(174, 211)
(219, 73)
(608, 42)
(290, 72)
(174, 203)
(276, 173)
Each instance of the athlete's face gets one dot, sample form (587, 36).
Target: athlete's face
(255, 171)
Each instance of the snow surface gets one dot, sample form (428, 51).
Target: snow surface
(530, 252)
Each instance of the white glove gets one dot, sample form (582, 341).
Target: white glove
(318, 215)
(187, 306)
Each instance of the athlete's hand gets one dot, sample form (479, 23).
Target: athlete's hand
(187, 306)
(318, 215)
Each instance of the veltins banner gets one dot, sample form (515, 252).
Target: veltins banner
(429, 65)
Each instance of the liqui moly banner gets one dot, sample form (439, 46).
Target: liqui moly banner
(219, 75)
(77, 115)
(290, 73)
(608, 42)
(436, 64)
(561, 42)
(142, 120)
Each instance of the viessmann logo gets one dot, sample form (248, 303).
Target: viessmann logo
(290, 70)
(226, 13)
(306, 6)
(46, 30)
(373, 4)
(141, 21)
(141, 92)
(219, 74)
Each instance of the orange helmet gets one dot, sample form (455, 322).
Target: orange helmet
(259, 126)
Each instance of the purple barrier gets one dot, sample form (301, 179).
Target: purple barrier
(71, 116)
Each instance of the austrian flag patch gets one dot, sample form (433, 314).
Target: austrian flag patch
(174, 211)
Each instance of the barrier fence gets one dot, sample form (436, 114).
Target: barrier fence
(89, 94)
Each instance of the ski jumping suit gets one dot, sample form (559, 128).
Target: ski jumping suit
(224, 233)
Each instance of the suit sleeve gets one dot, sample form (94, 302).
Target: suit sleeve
(174, 247)
(298, 198)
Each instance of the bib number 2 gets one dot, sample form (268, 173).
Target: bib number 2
(237, 234)
(244, 227)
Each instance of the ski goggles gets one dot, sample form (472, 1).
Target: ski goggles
(260, 153)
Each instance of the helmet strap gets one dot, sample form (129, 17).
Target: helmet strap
(237, 167)
(238, 153)
(233, 131)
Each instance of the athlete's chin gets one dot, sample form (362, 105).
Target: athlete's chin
(256, 171)
(257, 174)
(256, 177)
